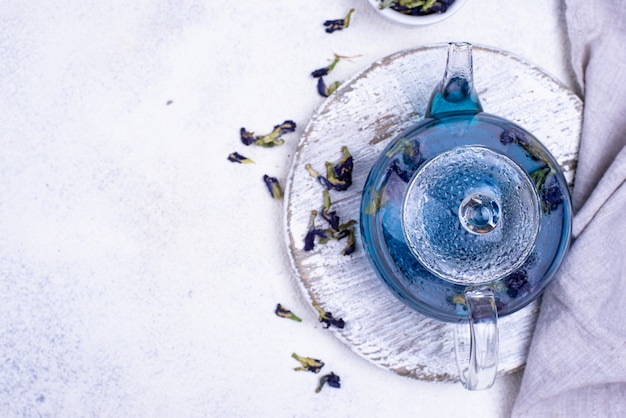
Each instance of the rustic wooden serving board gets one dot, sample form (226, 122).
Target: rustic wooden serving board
(365, 113)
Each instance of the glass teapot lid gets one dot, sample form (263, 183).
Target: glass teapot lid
(462, 199)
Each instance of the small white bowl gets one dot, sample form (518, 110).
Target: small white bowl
(416, 20)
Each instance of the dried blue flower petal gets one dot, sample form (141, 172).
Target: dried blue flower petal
(516, 283)
(410, 159)
(338, 24)
(338, 176)
(337, 183)
(351, 245)
(324, 71)
(286, 313)
(540, 175)
(331, 379)
(344, 229)
(417, 7)
(330, 216)
(272, 139)
(550, 194)
(273, 186)
(320, 72)
(321, 179)
(285, 127)
(336, 230)
(548, 187)
(327, 318)
(343, 169)
(247, 138)
(308, 364)
(235, 157)
(312, 232)
(514, 135)
(324, 90)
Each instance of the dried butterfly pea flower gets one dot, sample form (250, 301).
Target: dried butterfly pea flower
(312, 232)
(351, 244)
(331, 379)
(458, 300)
(338, 176)
(324, 90)
(336, 231)
(286, 313)
(539, 176)
(374, 202)
(272, 139)
(247, 138)
(324, 71)
(417, 7)
(330, 216)
(308, 364)
(548, 187)
(343, 231)
(320, 72)
(544, 177)
(235, 157)
(343, 169)
(410, 159)
(516, 283)
(273, 186)
(338, 24)
(327, 318)
(514, 135)
(551, 196)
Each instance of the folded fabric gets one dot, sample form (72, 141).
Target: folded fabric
(577, 361)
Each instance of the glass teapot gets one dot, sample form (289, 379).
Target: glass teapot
(466, 217)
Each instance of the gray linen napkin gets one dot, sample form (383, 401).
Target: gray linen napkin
(577, 361)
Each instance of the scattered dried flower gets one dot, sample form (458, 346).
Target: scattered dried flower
(338, 24)
(373, 205)
(235, 157)
(330, 216)
(351, 244)
(312, 232)
(410, 159)
(308, 364)
(551, 196)
(514, 135)
(548, 187)
(343, 168)
(327, 317)
(336, 231)
(272, 139)
(323, 89)
(417, 7)
(324, 71)
(338, 176)
(516, 283)
(286, 313)
(540, 175)
(331, 379)
(273, 186)
(458, 300)
(544, 177)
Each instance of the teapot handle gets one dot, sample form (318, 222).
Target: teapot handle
(478, 370)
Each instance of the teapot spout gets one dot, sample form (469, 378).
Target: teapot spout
(455, 92)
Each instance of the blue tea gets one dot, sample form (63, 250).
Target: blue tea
(465, 199)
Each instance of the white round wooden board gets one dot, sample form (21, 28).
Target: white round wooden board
(365, 113)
